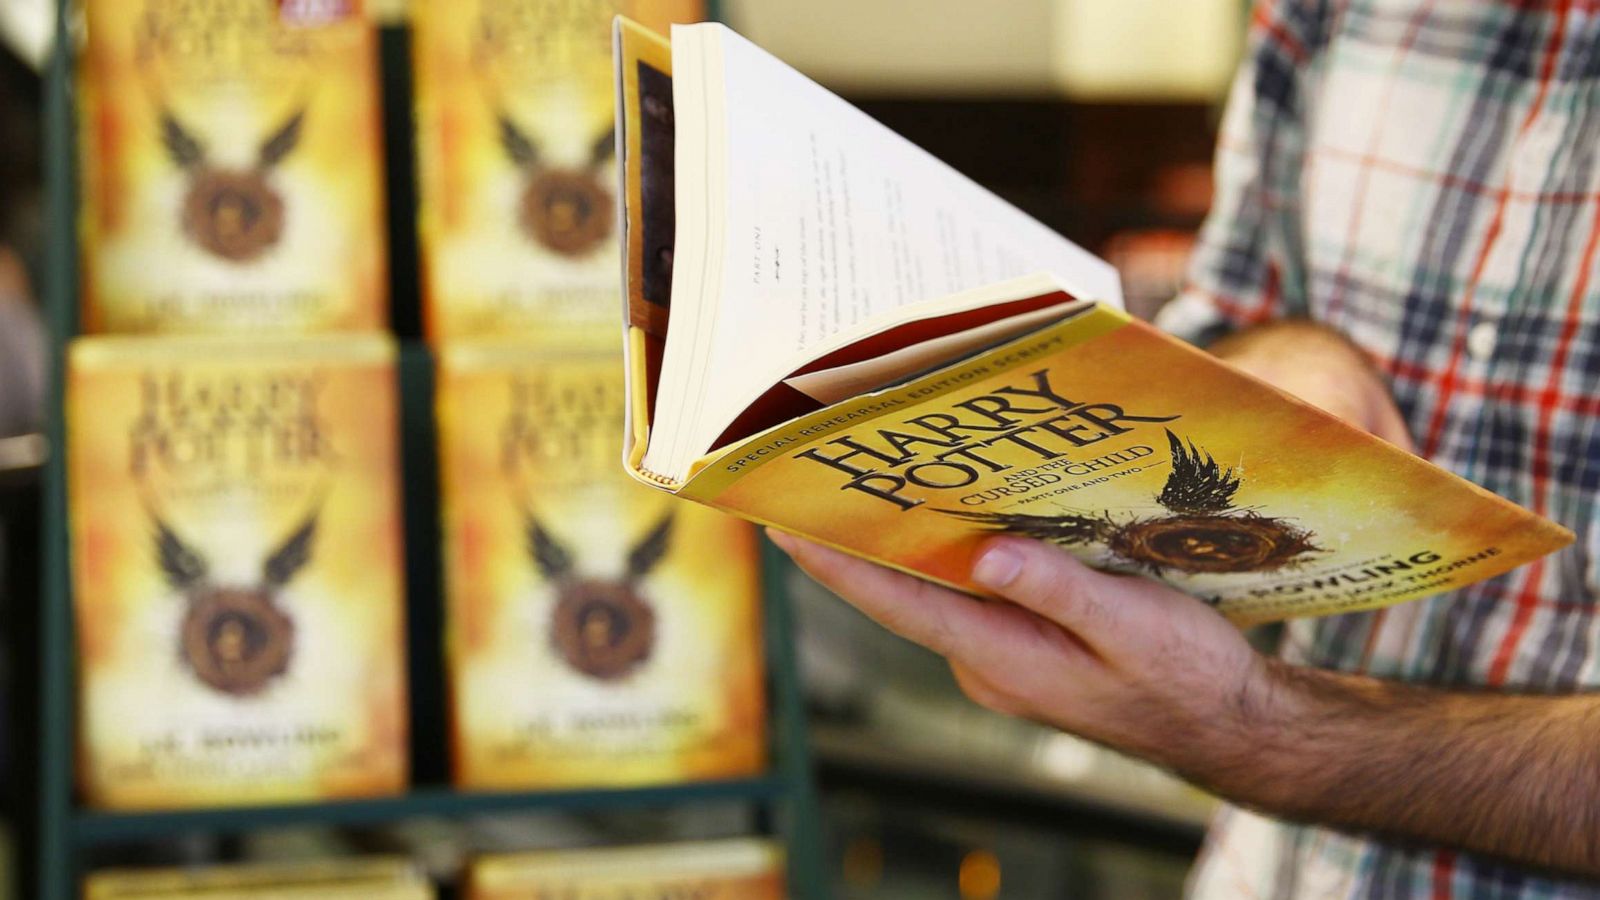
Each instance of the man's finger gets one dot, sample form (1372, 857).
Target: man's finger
(1094, 607)
(947, 622)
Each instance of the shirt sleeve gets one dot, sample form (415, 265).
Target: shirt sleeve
(1249, 263)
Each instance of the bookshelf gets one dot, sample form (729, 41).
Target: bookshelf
(54, 832)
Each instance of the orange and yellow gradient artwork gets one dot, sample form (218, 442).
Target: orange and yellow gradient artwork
(232, 169)
(515, 164)
(236, 547)
(599, 633)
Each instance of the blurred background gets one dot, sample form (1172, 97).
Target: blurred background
(1096, 118)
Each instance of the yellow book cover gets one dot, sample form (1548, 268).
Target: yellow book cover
(370, 878)
(232, 160)
(599, 633)
(801, 379)
(514, 151)
(236, 550)
(733, 869)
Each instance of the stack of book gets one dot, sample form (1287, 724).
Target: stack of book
(597, 634)
(234, 437)
(232, 422)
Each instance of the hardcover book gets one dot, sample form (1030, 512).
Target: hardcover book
(831, 332)
(735, 869)
(237, 570)
(514, 149)
(373, 878)
(231, 161)
(598, 633)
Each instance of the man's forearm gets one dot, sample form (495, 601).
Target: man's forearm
(1515, 777)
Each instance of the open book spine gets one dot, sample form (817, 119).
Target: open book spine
(644, 79)
(637, 424)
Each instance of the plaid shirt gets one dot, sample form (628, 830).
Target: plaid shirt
(1424, 176)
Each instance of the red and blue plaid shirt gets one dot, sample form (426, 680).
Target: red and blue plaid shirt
(1424, 176)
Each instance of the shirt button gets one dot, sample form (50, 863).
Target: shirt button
(1480, 341)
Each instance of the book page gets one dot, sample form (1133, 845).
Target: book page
(833, 218)
(827, 219)
(843, 382)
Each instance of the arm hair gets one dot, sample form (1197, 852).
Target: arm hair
(1505, 775)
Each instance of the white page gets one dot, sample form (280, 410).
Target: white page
(851, 379)
(830, 218)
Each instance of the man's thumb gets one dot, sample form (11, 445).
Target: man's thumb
(1047, 580)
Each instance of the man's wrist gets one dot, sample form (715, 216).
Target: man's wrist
(1296, 742)
(1252, 744)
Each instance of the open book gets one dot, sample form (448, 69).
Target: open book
(832, 332)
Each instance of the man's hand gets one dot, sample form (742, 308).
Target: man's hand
(1321, 367)
(1122, 660)
(1153, 672)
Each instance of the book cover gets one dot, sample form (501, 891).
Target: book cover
(370, 878)
(733, 869)
(236, 551)
(1139, 454)
(231, 167)
(599, 633)
(515, 158)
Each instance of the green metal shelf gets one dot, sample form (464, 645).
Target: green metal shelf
(56, 834)
(89, 828)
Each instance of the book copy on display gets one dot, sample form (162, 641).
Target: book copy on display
(367, 878)
(732, 869)
(231, 167)
(236, 554)
(517, 213)
(598, 633)
(831, 332)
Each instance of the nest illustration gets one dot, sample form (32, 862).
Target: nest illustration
(234, 214)
(1203, 533)
(234, 638)
(604, 628)
(569, 211)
